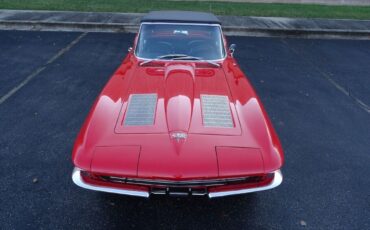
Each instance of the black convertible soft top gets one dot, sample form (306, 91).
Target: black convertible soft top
(181, 17)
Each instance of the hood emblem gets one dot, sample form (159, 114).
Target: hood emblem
(179, 136)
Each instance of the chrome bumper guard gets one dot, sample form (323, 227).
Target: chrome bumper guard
(77, 179)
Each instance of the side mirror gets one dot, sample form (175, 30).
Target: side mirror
(129, 49)
(232, 49)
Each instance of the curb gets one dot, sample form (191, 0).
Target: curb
(298, 33)
(69, 26)
(232, 25)
(228, 30)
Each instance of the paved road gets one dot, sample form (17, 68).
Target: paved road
(303, 83)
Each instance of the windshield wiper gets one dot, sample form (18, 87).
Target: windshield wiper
(179, 57)
(167, 56)
(186, 57)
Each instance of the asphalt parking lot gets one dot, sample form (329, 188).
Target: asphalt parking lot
(317, 93)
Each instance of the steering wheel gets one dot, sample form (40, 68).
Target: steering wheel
(161, 47)
(195, 43)
(200, 47)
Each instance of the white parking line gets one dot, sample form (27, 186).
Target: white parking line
(346, 92)
(40, 69)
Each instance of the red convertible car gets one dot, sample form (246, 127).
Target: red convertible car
(178, 117)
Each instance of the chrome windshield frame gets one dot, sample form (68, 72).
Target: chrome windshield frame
(174, 23)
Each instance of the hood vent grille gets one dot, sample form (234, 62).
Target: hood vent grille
(216, 111)
(141, 110)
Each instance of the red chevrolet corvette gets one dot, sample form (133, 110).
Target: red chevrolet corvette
(178, 117)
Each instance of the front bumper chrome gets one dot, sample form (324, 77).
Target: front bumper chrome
(78, 180)
(278, 178)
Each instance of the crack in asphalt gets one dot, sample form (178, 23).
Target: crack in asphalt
(42, 68)
(342, 89)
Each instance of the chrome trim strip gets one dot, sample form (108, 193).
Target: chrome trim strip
(278, 178)
(183, 23)
(77, 179)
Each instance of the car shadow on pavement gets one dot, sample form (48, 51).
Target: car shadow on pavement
(158, 212)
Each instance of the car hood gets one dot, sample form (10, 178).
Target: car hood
(178, 97)
(176, 121)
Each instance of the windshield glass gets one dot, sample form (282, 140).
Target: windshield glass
(201, 41)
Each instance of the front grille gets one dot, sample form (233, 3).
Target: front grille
(185, 183)
(180, 188)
